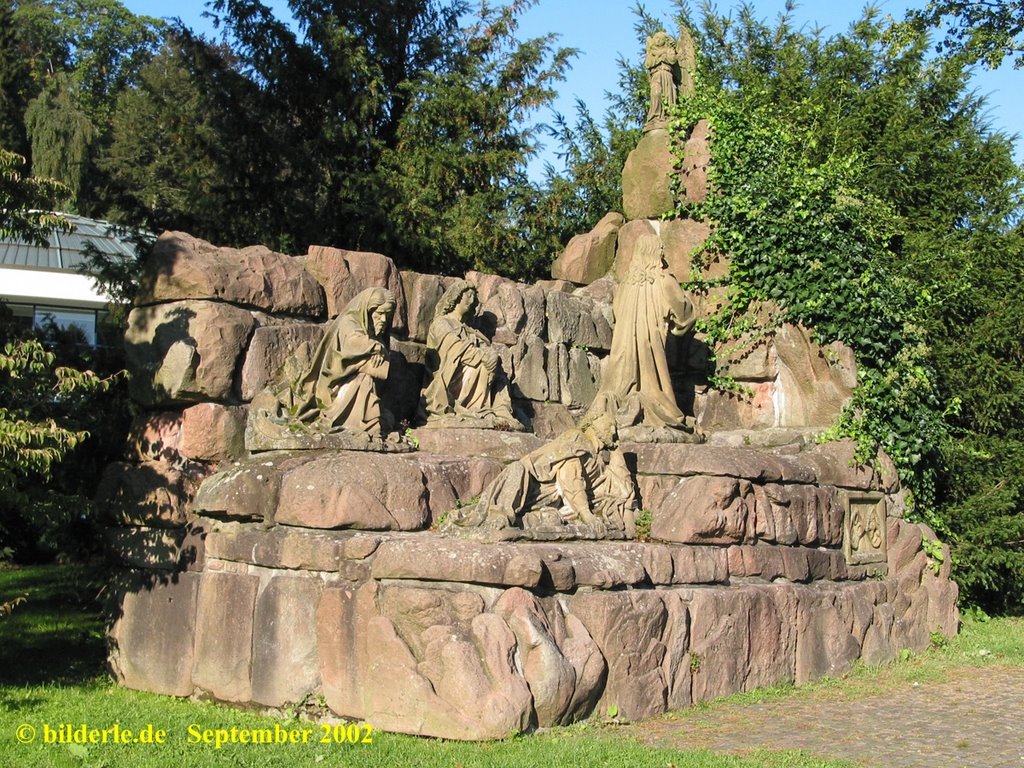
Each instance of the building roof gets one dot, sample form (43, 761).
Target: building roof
(66, 250)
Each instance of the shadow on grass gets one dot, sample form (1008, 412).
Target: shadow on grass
(56, 635)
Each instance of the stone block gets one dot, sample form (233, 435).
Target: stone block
(560, 660)
(693, 171)
(548, 420)
(646, 177)
(353, 489)
(630, 629)
(155, 437)
(185, 351)
(816, 383)
(463, 684)
(481, 443)
(152, 548)
(224, 636)
(577, 321)
(704, 510)
(283, 547)
(421, 296)
(285, 666)
(213, 432)
(249, 489)
(343, 274)
(699, 565)
(155, 493)
(151, 638)
(741, 639)
(454, 560)
(754, 409)
(825, 641)
(450, 481)
(530, 366)
(182, 267)
(629, 234)
(834, 463)
(681, 237)
(588, 257)
(579, 377)
(268, 350)
(684, 460)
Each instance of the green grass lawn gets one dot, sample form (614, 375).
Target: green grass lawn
(52, 675)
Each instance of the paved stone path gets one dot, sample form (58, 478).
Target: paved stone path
(973, 720)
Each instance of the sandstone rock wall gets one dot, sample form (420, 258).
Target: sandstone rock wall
(298, 577)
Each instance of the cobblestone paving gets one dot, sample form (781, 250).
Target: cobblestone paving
(975, 720)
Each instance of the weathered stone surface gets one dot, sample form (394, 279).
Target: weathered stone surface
(154, 548)
(440, 559)
(577, 320)
(285, 666)
(693, 171)
(630, 629)
(601, 290)
(282, 547)
(815, 389)
(560, 661)
(825, 641)
(212, 432)
(741, 638)
(748, 360)
(680, 237)
(268, 349)
(184, 267)
(154, 437)
(370, 491)
(705, 510)
(804, 514)
(151, 640)
(421, 295)
(529, 363)
(687, 460)
(579, 373)
(484, 443)
(631, 232)
(152, 493)
(588, 257)
(451, 480)
(343, 274)
(185, 351)
(834, 464)
(699, 565)
(224, 635)
(601, 565)
(717, 410)
(548, 420)
(248, 490)
(463, 686)
(646, 184)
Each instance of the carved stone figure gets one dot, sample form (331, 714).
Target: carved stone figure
(649, 304)
(334, 394)
(662, 61)
(565, 489)
(467, 386)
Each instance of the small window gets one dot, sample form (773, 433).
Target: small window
(83, 319)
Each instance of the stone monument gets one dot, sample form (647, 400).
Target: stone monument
(279, 547)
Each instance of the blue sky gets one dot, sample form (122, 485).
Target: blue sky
(603, 29)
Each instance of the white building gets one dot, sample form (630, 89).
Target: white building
(41, 282)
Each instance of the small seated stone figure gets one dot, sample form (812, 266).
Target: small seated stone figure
(467, 387)
(636, 389)
(566, 489)
(333, 400)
